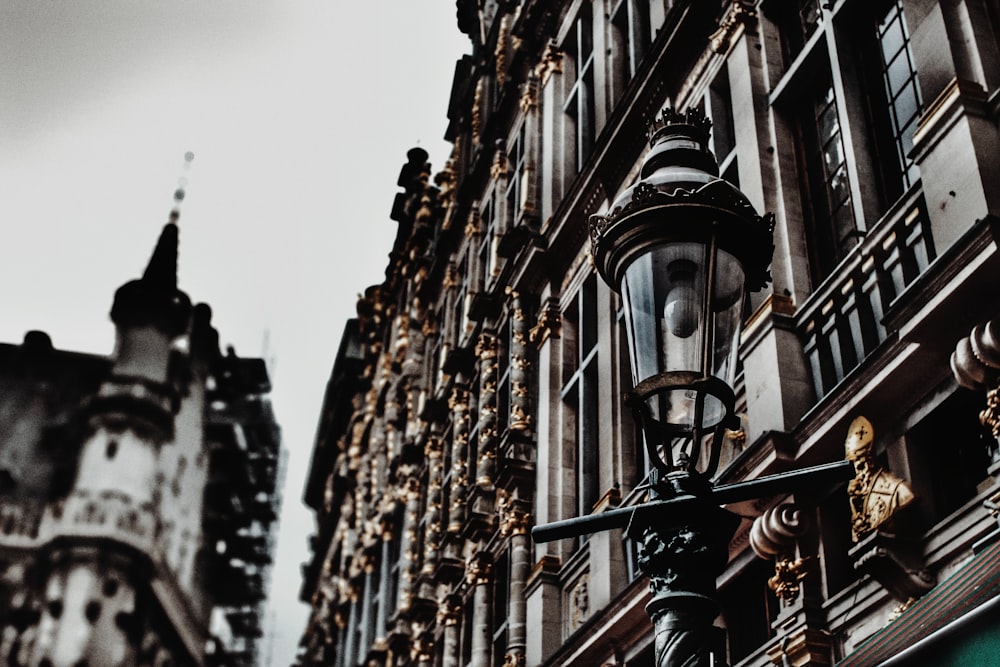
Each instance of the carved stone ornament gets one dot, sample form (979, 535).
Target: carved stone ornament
(479, 569)
(513, 520)
(876, 495)
(513, 660)
(773, 535)
(503, 44)
(500, 165)
(477, 111)
(449, 610)
(579, 602)
(549, 325)
(741, 13)
(550, 63)
(529, 93)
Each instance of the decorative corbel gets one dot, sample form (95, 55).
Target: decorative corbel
(549, 324)
(550, 63)
(773, 535)
(740, 15)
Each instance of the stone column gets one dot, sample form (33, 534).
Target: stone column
(515, 523)
(479, 576)
(486, 350)
(459, 404)
(449, 616)
(433, 530)
(519, 419)
(408, 546)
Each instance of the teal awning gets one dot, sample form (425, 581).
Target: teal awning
(975, 584)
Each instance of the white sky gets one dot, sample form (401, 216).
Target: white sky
(299, 113)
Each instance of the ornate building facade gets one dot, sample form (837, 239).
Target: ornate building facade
(478, 392)
(137, 491)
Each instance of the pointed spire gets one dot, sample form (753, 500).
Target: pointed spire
(161, 272)
(154, 299)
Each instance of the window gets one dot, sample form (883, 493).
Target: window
(856, 119)
(488, 260)
(580, 393)
(899, 77)
(720, 110)
(748, 609)
(579, 107)
(629, 35)
(517, 182)
(798, 19)
(950, 453)
(460, 306)
(827, 186)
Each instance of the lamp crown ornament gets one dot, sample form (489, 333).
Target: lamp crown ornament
(669, 119)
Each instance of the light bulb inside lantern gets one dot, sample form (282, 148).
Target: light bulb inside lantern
(682, 307)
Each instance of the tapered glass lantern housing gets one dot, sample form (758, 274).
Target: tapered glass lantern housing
(683, 247)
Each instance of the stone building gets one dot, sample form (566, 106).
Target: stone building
(478, 392)
(137, 491)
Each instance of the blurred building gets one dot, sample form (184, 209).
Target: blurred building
(478, 392)
(138, 492)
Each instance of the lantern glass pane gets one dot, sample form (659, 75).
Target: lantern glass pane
(664, 296)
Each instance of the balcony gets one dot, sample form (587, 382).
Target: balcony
(842, 322)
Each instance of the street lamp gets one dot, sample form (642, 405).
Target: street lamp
(683, 247)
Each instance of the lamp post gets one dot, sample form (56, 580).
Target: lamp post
(683, 247)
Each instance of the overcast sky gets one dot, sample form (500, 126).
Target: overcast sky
(299, 114)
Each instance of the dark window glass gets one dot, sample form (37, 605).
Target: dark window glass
(902, 92)
(748, 608)
(950, 454)
(629, 34)
(832, 230)
(581, 393)
(580, 101)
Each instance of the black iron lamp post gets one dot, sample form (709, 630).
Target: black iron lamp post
(683, 247)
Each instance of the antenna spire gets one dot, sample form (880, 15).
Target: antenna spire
(175, 212)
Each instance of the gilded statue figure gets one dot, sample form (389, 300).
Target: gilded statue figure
(876, 494)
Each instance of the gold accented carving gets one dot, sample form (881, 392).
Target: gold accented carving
(478, 569)
(450, 277)
(550, 63)
(477, 111)
(487, 347)
(740, 15)
(519, 419)
(422, 648)
(529, 93)
(513, 660)
(876, 494)
(549, 325)
(445, 180)
(990, 417)
(513, 520)
(900, 609)
(787, 575)
(472, 226)
(459, 400)
(449, 611)
(503, 39)
(500, 164)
